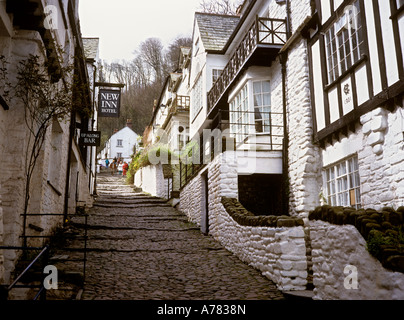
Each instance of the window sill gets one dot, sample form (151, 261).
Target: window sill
(347, 72)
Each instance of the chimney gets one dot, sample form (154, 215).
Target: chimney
(129, 123)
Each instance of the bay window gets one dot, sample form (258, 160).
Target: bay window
(250, 110)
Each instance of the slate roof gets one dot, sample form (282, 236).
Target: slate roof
(91, 47)
(215, 29)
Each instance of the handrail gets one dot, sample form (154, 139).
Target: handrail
(11, 286)
(44, 250)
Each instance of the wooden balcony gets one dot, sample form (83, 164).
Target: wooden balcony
(260, 46)
(182, 103)
(178, 104)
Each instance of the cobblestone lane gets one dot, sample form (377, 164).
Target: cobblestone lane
(141, 248)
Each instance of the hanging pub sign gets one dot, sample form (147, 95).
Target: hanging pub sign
(109, 103)
(90, 138)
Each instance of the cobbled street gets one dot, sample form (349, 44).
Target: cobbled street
(141, 248)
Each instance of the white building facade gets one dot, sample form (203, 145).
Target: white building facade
(356, 65)
(120, 145)
(61, 175)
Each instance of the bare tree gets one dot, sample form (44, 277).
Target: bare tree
(151, 51)
(226, 7)
(174, 51)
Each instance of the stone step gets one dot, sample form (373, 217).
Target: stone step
(299, 295)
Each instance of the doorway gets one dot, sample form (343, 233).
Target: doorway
(205, 204)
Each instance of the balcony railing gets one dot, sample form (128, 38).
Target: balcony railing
(252, 130)
(182, 102)
(264, 31)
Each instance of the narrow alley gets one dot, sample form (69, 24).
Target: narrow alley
(141, 248)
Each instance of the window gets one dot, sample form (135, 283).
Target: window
(215, 75)
(239, 116)
(262, 106)
(344, 42)
(343, 184)
(197, 98)
(196, 47)
(119, 155)
(119, 143)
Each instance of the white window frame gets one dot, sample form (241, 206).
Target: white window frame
(246, 115)
(197, 97)
(342, 183)
(239, 116)
(262, 107)
(216, 74)
(344, 42)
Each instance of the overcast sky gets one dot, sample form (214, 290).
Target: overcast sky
(122, 25)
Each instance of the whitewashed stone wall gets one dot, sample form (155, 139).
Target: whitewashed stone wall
(381, 158)
(279, 253)
(191, 200)
(336, 247)
(14, 139)
(304, 157)
(378, 144)
(151, 180)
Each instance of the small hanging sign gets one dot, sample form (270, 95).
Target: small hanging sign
(109, 103)
(90, 138)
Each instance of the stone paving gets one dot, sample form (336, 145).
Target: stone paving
(141, 248)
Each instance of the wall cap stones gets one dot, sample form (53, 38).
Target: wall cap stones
(245, 218)
(383, 230)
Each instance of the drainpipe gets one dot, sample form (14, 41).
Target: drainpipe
(69, 159)
(92, 128)
(285, 162)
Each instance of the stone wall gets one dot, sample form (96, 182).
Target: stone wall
(278, 252)
(381, 158)
(339, 256)
(14, 143)
(304, 157)
(151, 180)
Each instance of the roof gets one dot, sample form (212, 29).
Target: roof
(216, 29)
(91, 47)
(130, 130)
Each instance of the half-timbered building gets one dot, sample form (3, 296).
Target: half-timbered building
(356, 76)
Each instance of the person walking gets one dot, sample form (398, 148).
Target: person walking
(125, 168)
(113, 166)
(120, 167)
